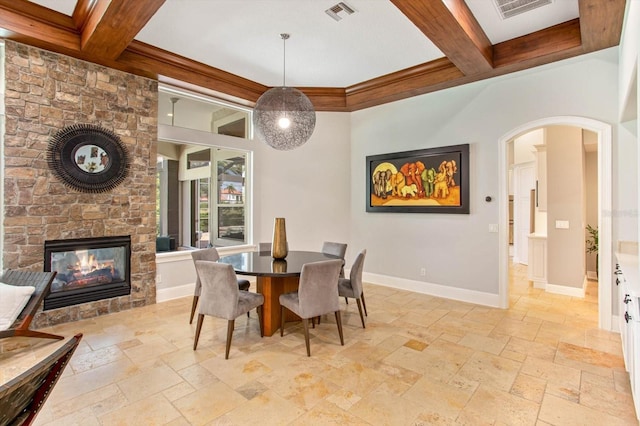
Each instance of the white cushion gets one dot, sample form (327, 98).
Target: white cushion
(13, 299)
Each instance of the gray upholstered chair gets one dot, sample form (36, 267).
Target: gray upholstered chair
(264, 247)
(352, 286)
(221, 298)
(317, 295)
(336, 249)
(211, 255)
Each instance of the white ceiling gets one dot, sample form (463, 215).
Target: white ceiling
(243, 36)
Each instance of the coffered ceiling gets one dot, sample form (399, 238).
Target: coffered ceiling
(385, 50)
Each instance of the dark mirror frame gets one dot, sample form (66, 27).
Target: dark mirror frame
(112, 166)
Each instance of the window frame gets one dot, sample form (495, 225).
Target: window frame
(198, 140)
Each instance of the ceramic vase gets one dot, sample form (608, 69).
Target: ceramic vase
(279, 244)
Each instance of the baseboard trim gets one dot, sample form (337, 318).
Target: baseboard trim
(165, 294)
(539, 284)
(438, 290)
(567, 291)
(592, 275)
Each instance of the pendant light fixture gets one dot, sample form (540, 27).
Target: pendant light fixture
(284, 117)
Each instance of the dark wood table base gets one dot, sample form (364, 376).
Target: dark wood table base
(271, 288)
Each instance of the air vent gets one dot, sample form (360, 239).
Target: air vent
(335, 11)
(511, 8)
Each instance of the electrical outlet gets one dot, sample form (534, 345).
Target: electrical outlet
(423, 272)
(158, 278)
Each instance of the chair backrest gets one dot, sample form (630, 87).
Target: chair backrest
(264, 247)
(23, 396)
(219, 297)
(355, 275)
(336, 249)
(209, 254)
(40, 280)
(318, 289)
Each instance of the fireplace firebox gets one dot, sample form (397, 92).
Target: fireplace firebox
(88, 269)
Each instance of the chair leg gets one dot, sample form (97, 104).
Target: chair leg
(305, 324)
(346, 300)
(198, 328)
(360, 310)
(193, 308)
(313, 321)
(32, 333)
(364, 305)
(230, 326)
(339, 322)
(281, 321)
(260, 320)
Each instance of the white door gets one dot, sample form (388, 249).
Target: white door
(524, 180)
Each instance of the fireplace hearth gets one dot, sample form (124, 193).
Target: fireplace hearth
(87, 269)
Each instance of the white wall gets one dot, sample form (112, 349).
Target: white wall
(320, 187)
(458, 251)
(524, 150)
(565, 202)
(308, 186)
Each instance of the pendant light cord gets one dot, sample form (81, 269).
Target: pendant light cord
(284, 37)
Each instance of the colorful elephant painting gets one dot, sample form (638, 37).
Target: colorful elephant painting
(380, 180)
(428, 180)
(412, 173)
(428, 177)
(449, 168)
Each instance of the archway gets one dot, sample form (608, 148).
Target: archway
(603, 131)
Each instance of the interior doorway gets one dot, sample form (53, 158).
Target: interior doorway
(603, 134)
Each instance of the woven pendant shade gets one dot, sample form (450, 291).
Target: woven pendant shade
(284, 118)
(288, 103)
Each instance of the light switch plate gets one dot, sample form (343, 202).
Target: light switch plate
(562, 224)
(493, 227)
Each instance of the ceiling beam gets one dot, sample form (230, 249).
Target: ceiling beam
(453, 29)
(542, 47)
(601, 23)
(552, 40)
(423, 78)
(26, 20)
(142, 56)
(29, 23)
(109, 26)
(81, 12)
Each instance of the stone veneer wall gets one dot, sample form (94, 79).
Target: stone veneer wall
(44, 93)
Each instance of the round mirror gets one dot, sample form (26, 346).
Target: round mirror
(91, 158)
(88, 158)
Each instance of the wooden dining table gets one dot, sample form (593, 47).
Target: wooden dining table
(274, 277)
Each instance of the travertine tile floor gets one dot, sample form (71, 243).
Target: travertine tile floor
(421, 360)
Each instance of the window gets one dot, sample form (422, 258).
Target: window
(203, 191)
(230, 205)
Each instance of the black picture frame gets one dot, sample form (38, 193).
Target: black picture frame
(88, 158)
(443, 187)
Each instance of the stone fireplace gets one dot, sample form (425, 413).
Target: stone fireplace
(87, 270)
(44, 93)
